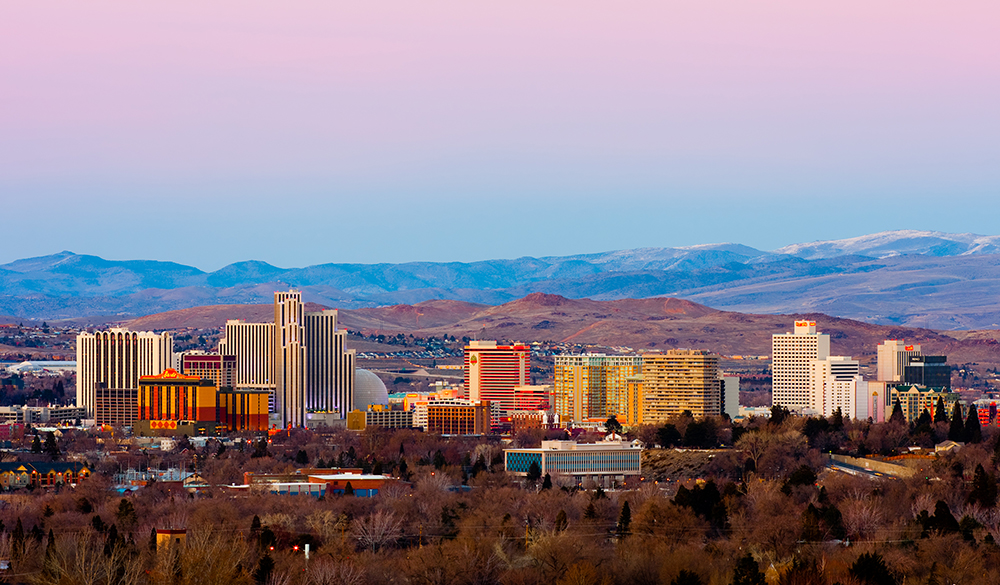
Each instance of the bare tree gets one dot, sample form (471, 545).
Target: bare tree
(378, 530)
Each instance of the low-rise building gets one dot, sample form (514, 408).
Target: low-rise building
(379, 416)
(605, 462)
(21, 474)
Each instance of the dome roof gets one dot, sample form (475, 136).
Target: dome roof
(368, 389)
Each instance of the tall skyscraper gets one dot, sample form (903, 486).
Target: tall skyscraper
(791, 356)
(117, 359)
(253, 346)
(289, 358)
(492, 371)
(594, 387)
(893, 356)
(835, 385)
(679, 380)
(329, 365)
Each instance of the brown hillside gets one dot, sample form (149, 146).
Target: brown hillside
(208, 317)
(408, 318)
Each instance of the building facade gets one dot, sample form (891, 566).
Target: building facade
(893, 356)
(329, 365)
(604, 462)
(677, 381)
(117, 358)
(915, 399)
(253, 346)
(458, 417)
(493, 371)
(220, 369)
(829, 378)
(289, 358)
(591, 388)
(791, 356)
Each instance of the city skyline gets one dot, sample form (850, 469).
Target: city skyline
(446, 132)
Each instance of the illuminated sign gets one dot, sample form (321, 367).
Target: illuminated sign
(163, 425)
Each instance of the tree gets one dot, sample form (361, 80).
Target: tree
(984, 488)
(561, 521)
(686, 577)
(924, 420)
(779, 414)
(302, 458)
(973, 430)
(837, 420)
(747, 572)
(378, 530)
(547, 482)
(36, 445)
(624, 520)
(534, 472)
(957, 430)
(126, 515)
(870, 569)
(612, 425)
(348, 489)
(897, 413)
(940, 414)
(668, 436)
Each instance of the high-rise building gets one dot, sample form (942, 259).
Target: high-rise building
(253, 346)
(932, 371)
(220, 369)
(835, 384)
(893, 356)
(329, 365)
(492, 371)
(591, 388)
(680, 380)
(289, 358)
(117, 359)
(791, 356)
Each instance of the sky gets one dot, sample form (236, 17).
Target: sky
(321, 131)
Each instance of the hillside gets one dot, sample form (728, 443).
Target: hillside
(659, 323)
(912, 278)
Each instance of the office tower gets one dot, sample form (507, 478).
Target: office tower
(289, 358)
(220, 369)
(931, 371)
(679, 380)
(730, 396)
(893, 356)
(835, 384)
(117, 359)
(791, 355)
(329, 365)
(253, 346)
(593, 387)
(533, 397)
(492, 371)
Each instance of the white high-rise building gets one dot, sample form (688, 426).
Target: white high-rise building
(893, 357)
(834, 385)
(289, 358)
(329, 365)
(116, 359)
(791, 356)
(253, 346)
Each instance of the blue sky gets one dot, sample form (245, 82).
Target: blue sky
(330, 132)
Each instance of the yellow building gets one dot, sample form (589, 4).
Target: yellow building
(679, 380)
(593, 387)
(915, 399)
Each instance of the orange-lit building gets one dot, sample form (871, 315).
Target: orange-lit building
(493, 371)
(458, 418)
(172, 396)
(243, 410)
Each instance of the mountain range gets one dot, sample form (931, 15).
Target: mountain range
(915, 278)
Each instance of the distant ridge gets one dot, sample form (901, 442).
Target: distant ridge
(906, 277)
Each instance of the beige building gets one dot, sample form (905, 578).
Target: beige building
(679, 380)
(117, 359)
(329, 365)
(591, 388)
(893, 357)
(253, 346)
(791, 357)
(289, 358)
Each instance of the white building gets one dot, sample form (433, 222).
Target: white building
(117, 358)
(731, 396)
(893, 357)
(329, 365)
(823, 374)
(253, 346)
(791, 356)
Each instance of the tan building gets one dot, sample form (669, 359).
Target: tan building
(591, 388)
(893, 357)
(289, 358)
(791, 358)
(679, 380)
(220, 369)
(458, 418)
(329, 383)
(117, 359)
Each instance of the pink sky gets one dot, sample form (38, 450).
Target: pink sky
(440, 102)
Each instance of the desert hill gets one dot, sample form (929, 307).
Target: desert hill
(658, 323)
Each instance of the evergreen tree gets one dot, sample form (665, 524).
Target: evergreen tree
(152, 539)
(36, 445)
(17, 540)
(534, 472)
(302, 458)
(940, 414)
(973, 430)
(686, 577)
(613, 426)
(51, 447)
(870, 569)
(591, 512)
(897, 413)
(348, 489)
(837, 420)
(747, 572)
(547, 482)
(561, 521)
(624, 520)
(924, 420)
(957, 430)
(984, 488)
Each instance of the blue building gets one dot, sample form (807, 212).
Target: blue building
(606, 462)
